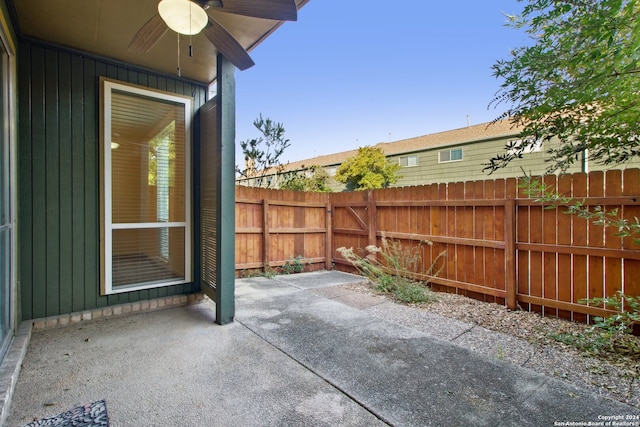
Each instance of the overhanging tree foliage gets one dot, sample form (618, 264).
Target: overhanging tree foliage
(579, 81)
(313, 179)
(368, 169)
(262, 155)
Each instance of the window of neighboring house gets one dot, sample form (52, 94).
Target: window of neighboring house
(452, 155)
(145, 188)
(514, 144)
(408, 161)
(332, 171)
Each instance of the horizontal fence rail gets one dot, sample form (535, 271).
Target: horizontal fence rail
(486, 239)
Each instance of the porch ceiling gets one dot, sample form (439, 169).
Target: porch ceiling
(106, 27)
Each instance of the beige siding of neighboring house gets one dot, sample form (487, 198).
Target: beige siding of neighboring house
(475, 156)
(479, 144)
(597, 167)
(332, 183)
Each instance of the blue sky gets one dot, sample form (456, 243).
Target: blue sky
(351, 73)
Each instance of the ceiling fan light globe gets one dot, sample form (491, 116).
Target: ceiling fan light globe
(183, 16)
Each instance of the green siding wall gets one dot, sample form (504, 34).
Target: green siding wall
(474, 158)
(58, 178)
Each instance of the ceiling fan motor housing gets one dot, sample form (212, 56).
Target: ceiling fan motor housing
(183, 16)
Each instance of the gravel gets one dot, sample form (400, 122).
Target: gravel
(518, 337)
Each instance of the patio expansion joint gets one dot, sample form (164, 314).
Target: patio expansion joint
(317, 374)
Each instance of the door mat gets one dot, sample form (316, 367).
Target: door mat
(90, 415)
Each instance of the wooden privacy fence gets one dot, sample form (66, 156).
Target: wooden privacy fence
(499, 245)
(274, 227)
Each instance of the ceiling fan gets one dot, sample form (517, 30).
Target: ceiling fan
(156, 27)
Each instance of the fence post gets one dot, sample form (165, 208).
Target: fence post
(328, 241)
(265, 235)
(510, 252)
(373, 223)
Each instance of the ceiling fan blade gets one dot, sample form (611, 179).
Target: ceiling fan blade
(227, 45)
(279, 10)
(148, 35)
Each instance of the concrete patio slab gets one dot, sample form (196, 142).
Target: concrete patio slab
(429, 323)
(320, 279)
(407, 377)
(292, 357)
(334, 292)
(175, 368)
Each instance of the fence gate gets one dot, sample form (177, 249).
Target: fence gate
(353, 221)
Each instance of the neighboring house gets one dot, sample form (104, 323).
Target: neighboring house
(101, 203)
(451, 156)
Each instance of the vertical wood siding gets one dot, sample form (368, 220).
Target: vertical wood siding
(58, 178)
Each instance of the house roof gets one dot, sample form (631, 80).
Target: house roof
(470, 134)
(106, 27)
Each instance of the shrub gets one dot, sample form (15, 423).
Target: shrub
(294, 265)
(610, 334)
(392, 269)
(413, 293)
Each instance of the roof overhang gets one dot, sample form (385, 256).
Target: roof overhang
(105, 28)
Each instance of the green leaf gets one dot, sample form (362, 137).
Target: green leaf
(585, 53)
